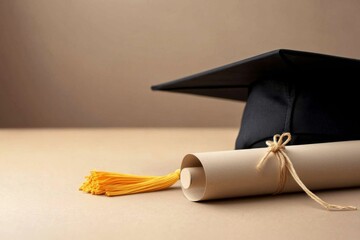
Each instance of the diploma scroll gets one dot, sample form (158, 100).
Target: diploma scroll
(227, 174)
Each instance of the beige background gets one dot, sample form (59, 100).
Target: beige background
(91, 63)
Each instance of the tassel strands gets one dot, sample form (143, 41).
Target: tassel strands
(117, 184)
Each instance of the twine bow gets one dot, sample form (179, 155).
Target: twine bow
(277, 147)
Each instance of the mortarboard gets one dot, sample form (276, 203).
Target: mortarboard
(311, 95)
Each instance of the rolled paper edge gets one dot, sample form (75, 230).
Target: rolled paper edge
(193, 183)
(349, 152)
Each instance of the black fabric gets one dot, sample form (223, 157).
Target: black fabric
(232, 81)
(311, 109)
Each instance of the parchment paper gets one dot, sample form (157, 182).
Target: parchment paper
(226, 174)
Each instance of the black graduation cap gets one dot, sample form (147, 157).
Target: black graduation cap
(312, 96)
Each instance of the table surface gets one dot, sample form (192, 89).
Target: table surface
(41, 170)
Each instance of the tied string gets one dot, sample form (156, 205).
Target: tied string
(277, 147)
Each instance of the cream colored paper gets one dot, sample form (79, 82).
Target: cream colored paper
(226, 174)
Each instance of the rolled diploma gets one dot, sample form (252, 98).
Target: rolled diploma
(227, 174)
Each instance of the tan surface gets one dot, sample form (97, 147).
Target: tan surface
(42, 169)
(91, 62)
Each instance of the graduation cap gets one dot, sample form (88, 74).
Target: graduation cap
(311, 95)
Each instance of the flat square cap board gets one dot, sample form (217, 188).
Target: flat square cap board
(311, 95)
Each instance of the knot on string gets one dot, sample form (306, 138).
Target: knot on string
(278, 142)
(277, 147)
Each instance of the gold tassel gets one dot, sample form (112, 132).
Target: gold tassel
(116, 184)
